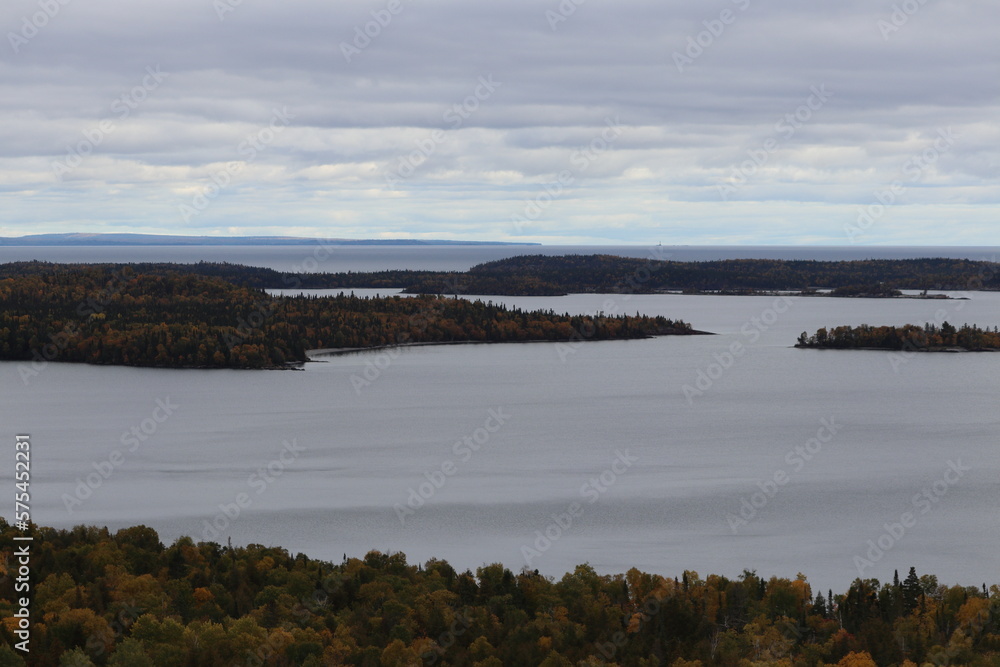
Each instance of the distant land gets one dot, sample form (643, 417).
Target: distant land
(544, 275)
(80, 239)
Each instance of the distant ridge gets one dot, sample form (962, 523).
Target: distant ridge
(79, 239)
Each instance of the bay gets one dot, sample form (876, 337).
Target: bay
(356, 450)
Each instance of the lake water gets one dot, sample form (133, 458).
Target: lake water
(853, 437)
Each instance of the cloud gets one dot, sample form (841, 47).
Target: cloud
(697, 88)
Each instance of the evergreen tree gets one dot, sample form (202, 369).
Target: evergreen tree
(911, 591)
(819, 606)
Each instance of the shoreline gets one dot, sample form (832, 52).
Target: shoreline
(949, 349)
(401, 291)
(341, 351)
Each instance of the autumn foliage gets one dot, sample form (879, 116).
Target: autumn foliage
(112, 314)
(123, 598)
(909, 337)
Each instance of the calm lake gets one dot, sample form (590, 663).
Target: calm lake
(707, 453)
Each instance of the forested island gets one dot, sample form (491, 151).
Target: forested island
(125, 599)
(542, 275)
(159, 315)
(910, 337)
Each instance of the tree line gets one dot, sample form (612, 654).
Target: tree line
(606, 273)
(125, 599)
(543, 275)
(908, 337)
(107, 314)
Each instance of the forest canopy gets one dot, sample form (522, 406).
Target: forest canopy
(910, 337)
(125, 599)
(119, 314)
(543, 275)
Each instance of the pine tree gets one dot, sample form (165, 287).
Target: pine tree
(819, 606)
(911, 591)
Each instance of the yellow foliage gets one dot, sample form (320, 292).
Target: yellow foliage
(558, 616)
(856, 659)
(203, 595)
(280, 638)
(681, 662)
(635, 623)
(398, 654)
(802, 589)
(973, 614)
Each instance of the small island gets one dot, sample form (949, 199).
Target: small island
(876, 291)
(910, 337)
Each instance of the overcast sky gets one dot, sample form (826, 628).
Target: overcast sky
(720, 122)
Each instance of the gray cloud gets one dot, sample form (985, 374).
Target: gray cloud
(747, 67)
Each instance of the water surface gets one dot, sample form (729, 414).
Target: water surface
(368, 428)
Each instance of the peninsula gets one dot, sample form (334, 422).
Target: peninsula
(172, 316)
